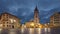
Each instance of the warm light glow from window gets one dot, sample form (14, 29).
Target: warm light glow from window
(1, 25)
(14, 20)
(32, 24)
(40, 26)
(11, 20)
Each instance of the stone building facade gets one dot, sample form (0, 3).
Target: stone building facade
(55, 19)
(9, 21)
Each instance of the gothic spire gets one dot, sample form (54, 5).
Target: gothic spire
(36, 9)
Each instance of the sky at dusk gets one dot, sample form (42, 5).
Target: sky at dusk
(24, 9)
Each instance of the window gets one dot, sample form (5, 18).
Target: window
(7, 22)
(14, 20)
(3, 25)
(7, 25)
(3, 22)
(12, 26)
(3, 14)
(11, 20)
(5, 19)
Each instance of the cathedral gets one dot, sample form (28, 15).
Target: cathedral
(35, 23)
(36, 16)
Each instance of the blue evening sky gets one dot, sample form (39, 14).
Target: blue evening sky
(24, 9)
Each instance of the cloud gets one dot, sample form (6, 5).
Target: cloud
(24, 9)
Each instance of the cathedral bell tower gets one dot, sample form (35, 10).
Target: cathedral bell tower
(36, 15)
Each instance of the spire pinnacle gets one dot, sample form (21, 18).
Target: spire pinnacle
(36, 9)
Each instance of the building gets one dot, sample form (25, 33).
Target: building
(35, 23)
(9, 21)
(36, 16)
(30, 24)
(55, 19)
